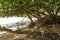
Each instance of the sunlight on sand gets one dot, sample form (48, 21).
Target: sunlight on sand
(2, 32)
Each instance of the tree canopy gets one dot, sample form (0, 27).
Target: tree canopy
(31, 8)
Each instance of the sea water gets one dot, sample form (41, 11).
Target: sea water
(11, 22)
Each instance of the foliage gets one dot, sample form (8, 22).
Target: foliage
(31, 8)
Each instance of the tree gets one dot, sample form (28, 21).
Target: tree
(31, 8)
